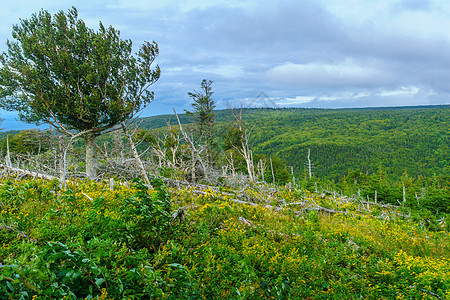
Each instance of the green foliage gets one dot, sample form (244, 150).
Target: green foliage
(83, 242)
(79, 271)
(233, 137)
(204, 117)
(88, 242)
(203, 110)
(28, 141)
(431, 194)
(60, 72)
(69, 74)
(148, 219)
(54, 271)
(280, 171)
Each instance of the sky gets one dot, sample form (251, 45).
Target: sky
(292, 53)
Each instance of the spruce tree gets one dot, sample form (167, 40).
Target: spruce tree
(204, 117)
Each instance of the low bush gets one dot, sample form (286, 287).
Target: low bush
(90, 242)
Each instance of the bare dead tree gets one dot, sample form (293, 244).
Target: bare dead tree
(138, 160)
(241, 141)
(261, 166)
(230, 160)
(8, 154)
(309, 163)
(195, 151)
(65, 144)
(271, 169)
(169, 149)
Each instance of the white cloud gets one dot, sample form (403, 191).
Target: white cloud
(402, 91)
(313, 52)
(293, 101)
(231, 71)
(344, 74)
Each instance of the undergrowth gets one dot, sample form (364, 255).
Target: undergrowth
(90, 242)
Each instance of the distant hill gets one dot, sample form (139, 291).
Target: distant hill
(392, 139)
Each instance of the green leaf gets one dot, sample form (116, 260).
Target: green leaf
(99, 281)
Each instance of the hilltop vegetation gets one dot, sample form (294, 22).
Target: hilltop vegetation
(212, 205)
(395, 140)
(392, 154)
(377, 232)
(93, 242)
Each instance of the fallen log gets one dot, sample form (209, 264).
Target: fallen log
(378, 204)
(29, 173)
(326, 210)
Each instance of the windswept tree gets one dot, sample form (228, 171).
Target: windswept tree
(81, 81)
(203, 114)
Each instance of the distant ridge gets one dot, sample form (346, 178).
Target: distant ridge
(222, 114)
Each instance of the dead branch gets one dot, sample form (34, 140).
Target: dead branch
(428, 292)
(136, 154)
(29, 173)
(296, 203)
(379, 204)
(326, 210)
(245, 202)
(9, 228)
(191, 144)
(87, 196)
(246, 222)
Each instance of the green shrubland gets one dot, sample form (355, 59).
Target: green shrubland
(87, 241)
(370, 222)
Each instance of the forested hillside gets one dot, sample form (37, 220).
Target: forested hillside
(394, 140)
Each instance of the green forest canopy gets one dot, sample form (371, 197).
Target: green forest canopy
(412, 139)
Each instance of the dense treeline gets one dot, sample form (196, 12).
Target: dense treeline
(414, 139)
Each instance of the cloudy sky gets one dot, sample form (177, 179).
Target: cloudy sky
(296, 53)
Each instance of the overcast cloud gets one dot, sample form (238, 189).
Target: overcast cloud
(321, 53)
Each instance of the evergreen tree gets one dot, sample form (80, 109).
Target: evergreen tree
(82, 82)
(203, 114)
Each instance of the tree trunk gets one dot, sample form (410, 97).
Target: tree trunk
(89, 140)
(271, 168)
(246, 155)
(136, 155)
(309, 163)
